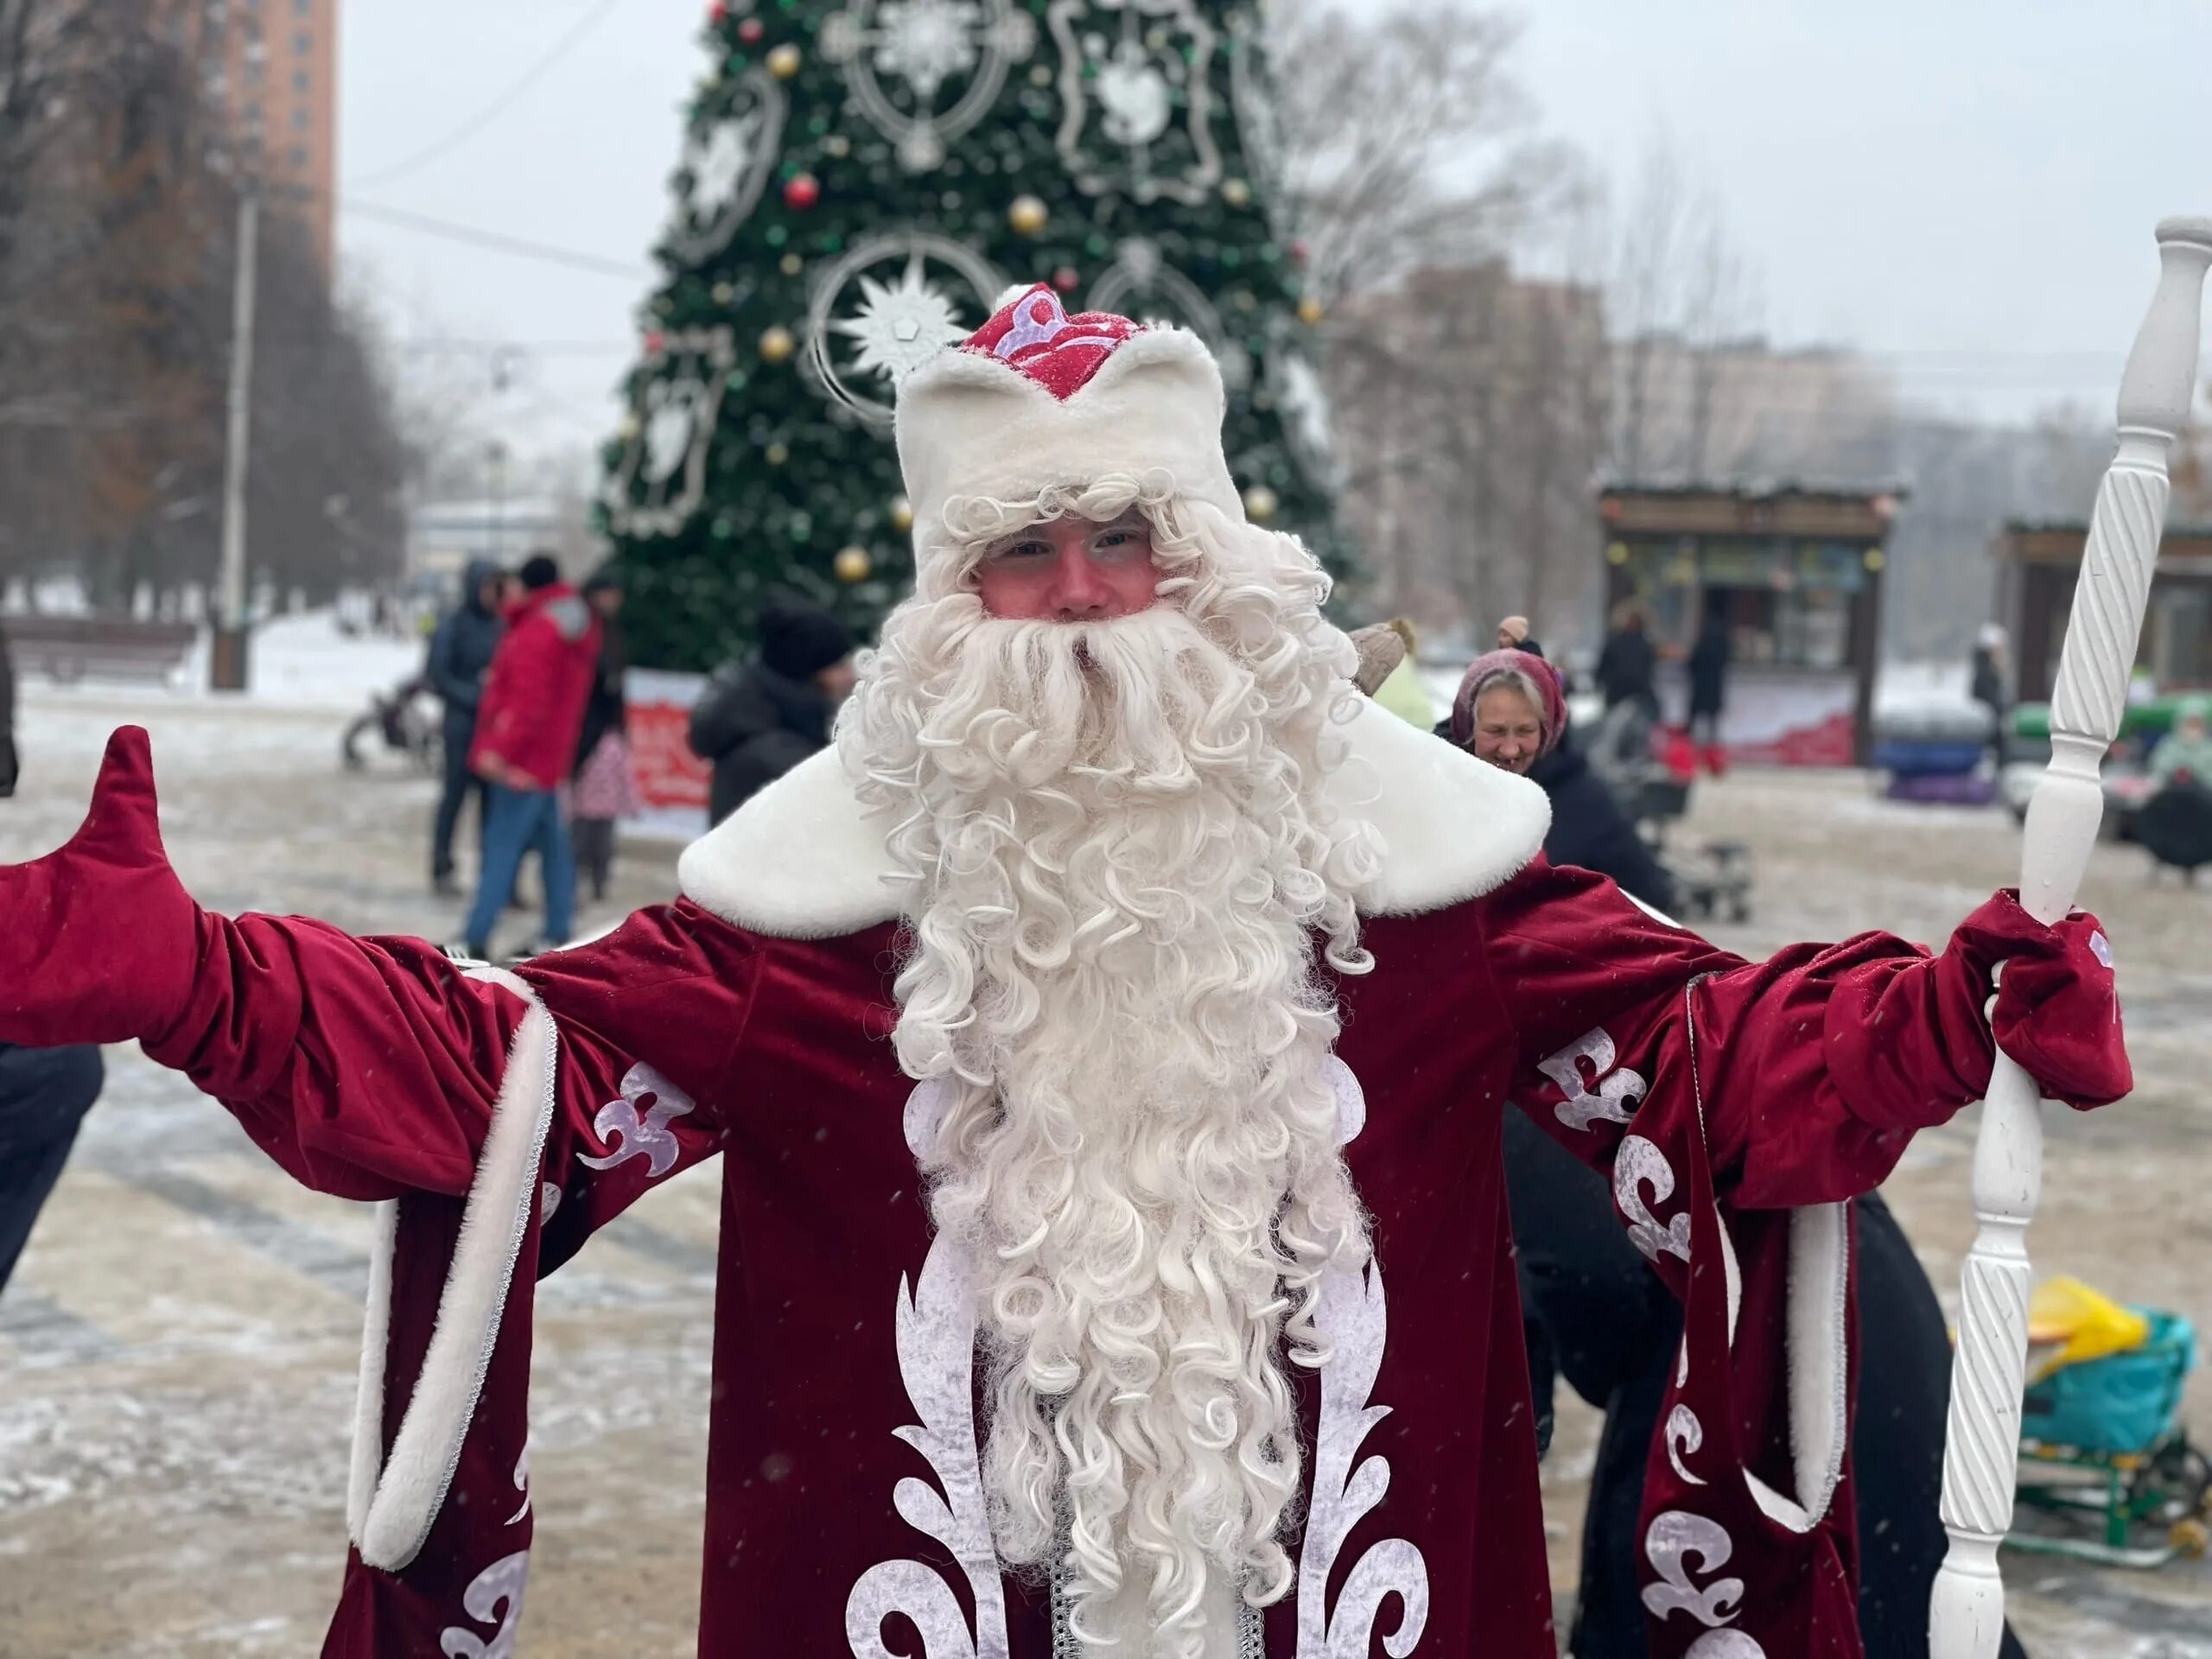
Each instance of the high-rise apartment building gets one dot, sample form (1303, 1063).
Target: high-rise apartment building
(272, 65)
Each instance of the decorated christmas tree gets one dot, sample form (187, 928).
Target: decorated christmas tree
(860, 181)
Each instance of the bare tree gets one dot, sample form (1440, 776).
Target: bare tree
(1405, 142)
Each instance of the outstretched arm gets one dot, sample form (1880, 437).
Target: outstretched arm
(1816, 1065)
(366, 1067)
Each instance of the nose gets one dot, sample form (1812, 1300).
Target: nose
(1078, 594)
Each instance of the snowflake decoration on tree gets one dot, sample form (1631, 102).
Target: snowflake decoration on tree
(926, 43)
(660, 478)
(937, 292)
(728, 161)
(900, 326)
(923, 46)
(1136, 60)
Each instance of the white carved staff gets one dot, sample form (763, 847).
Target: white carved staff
(1989, 1369)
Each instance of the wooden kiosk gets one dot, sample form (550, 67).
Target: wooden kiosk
(2037, 564)
(1796, 572)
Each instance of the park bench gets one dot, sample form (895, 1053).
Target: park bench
(67, 649)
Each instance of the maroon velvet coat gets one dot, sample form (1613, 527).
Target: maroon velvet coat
(509, 1115)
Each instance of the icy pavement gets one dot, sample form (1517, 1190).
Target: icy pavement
(176, 1353)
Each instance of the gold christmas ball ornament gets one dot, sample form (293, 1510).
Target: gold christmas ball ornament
(783, 62)
(902, 514)
(776, 454)
(1235, 193)
(777, 343)
(1028, 215)
(723, 293)
(791, 265)
(628, 426)
(852, 564)
(1311, 310)
(837, 144)
(1260, 503)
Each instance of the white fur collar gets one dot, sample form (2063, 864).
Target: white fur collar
(800, 860)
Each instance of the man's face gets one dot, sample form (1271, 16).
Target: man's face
(1508, 732)
(837, 680)
(1071, 570)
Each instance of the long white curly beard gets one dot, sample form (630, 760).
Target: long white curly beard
(1121, 857)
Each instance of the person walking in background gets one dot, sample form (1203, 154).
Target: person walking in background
(759, 718)
(606, 787)
(528, 722)
(1513, 635)
(1626, 664)
(1987, 685)
(44, 1092)
(460, 652)
(1708, 674)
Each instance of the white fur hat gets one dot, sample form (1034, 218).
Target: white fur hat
(1036, 398)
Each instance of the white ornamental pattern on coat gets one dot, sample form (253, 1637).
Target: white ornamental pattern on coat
(495, 1594)
(1353, 1317)
(935, 1338)
(1617, 1093)
(1673, 1540)
(635, 1126)
(1637, 1165)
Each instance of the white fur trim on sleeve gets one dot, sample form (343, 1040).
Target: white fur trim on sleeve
(391, 1501)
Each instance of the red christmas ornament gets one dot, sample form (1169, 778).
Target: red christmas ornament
(1066, 279)
(1298, 250)
(653, 339)
(717, 11)
(801, 192)
(750, 30)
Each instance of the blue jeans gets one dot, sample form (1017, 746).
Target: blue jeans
(515, 821)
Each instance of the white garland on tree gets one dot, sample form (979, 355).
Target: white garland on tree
(922, 47)
(660, 478)
(1125, 65)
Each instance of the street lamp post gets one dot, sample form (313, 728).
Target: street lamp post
(227, 661)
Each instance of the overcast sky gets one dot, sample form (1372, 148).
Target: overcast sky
(1966, 186)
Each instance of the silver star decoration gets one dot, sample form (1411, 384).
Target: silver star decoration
(900, 326)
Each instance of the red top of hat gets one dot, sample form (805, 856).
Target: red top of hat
(1033, 333)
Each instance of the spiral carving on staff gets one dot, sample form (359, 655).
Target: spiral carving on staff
(2109, 602)
(1978, 1453)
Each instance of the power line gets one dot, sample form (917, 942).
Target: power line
(522, 248)
(496, 108)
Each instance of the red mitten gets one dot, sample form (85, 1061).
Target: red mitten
(2057, 1012)
(98, 940)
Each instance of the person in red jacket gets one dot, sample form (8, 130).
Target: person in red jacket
(527, 725)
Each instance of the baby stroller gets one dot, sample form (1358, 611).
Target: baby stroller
(403, 720)
(2098, 1439)
(1714, 879)
(2175, 826)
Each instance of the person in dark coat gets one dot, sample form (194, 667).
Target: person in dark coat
(1987, 687)
(1626, 663)
(1708, 674)
(44, 1092)
(758, 719)
(461, 652)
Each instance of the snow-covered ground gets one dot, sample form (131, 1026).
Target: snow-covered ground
(176, 1352)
